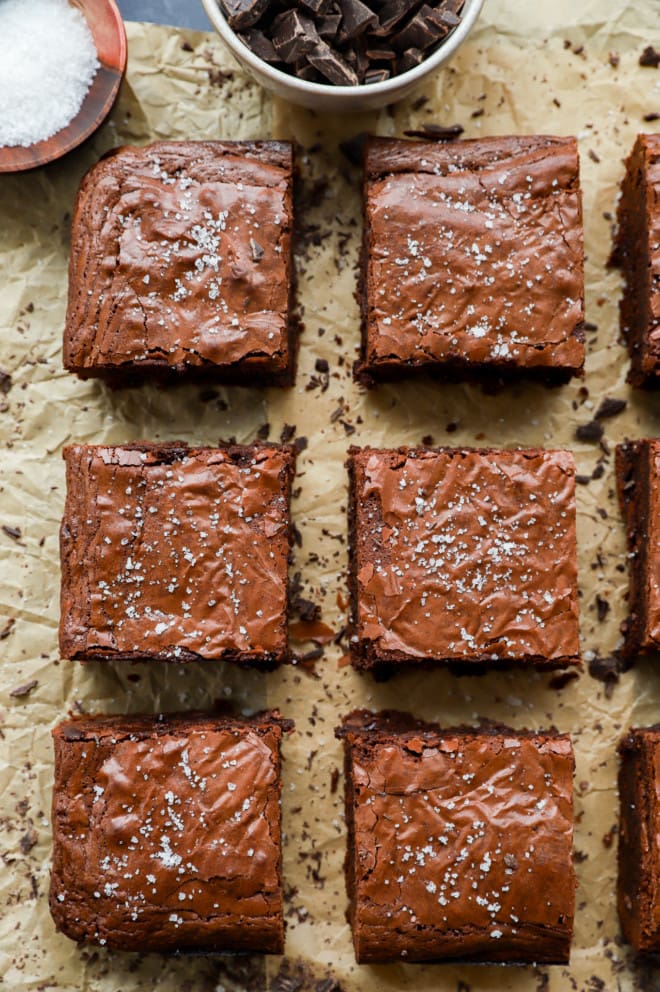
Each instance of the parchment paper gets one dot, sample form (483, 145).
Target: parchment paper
(570, 66)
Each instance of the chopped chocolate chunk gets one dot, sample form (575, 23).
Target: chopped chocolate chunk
(410, 58)
(421, 31)
(328, 26)
(392, 13)
(294, 35)
(262, 46)
(315, 7)
(593, 431)
(332, 66)
(376, 75)
(243, 13)
(650, 57)
(356, 18)
(610, 407)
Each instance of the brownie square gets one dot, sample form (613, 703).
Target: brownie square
(638, 484)
(464, 557)
(637, 253)
(638, 894)
(181, 263)
(176, 553)
(459, 842)
(472, 259)
(166, 833)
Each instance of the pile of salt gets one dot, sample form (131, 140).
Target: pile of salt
(47, 66)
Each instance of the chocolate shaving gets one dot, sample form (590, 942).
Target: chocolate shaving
(24, 690)
(436, 132)
(13, 532)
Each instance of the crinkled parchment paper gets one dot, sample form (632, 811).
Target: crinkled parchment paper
(570, 66)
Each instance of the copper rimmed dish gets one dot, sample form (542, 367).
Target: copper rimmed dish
(107, 27)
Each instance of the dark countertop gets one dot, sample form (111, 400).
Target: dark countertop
(182, 13)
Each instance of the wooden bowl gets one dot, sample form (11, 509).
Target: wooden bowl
(109, 35)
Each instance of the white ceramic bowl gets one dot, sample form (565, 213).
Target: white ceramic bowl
(341, 99)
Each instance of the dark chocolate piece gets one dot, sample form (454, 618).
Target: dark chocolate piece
(162, 280)
(638, 892)
(260, 45)
(294, 35)
(356, 18)
(166, 833)
(421, 31)
(472, 259)
(637, 252)
(332, 66)
(328, 26)
(377, 75)
(484, 538)
(459, 842)
(176, 553)
(243, 14)
(638, 484)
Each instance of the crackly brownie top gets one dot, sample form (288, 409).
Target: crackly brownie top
(463, 830)
(465, 554)
(168, 548)
(181, 253)
(476, 251)
(165, 826)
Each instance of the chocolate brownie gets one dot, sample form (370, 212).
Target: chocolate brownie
(472, 259)
(637, 252)
(459, 842)
(639, 828)
(638, 483)
(166, 832)
(181, 263)
(464, 557)
(176, 553)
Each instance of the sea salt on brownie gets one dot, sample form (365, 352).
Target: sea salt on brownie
(459, 842)
(176, 553)
(472, 259)
(166, 832)
(181, 264)
(463, 556)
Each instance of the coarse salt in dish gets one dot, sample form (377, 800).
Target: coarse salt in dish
(48, 63)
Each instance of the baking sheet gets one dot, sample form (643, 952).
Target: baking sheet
(565, 67)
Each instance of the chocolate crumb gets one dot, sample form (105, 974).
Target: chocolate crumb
(28, 840)
(13, 532)
(593, 431)
(559, 682)
(610, 407)
(650, 58)
(24, 690)
(602, 607)
(5, 382)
